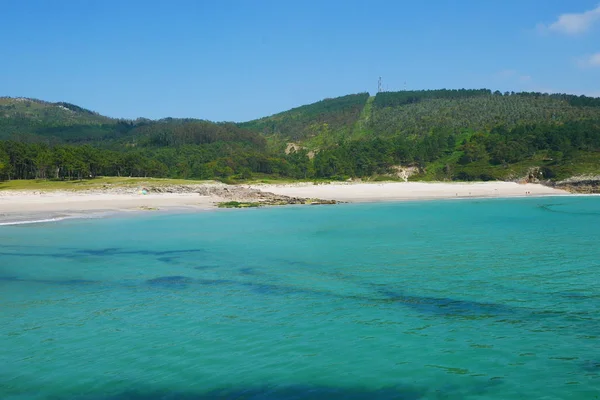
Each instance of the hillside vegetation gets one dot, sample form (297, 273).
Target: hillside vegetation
(54, 122)
(319, 123)
(481, 113)
(442, 134)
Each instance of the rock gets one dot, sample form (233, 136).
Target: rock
(225, 193)
(579, 184)
(534, 175)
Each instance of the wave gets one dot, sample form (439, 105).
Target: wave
(34, 221)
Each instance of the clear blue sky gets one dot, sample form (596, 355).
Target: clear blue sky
(239, 60)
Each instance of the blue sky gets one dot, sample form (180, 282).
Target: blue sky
(239, 60)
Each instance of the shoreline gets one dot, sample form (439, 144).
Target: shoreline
(30, 207)
(411, 191)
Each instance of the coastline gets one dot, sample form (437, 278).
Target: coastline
(26, 207)
(413, 191)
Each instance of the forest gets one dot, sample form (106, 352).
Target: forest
(446, 134)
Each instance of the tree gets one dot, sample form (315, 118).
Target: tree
(4, 164)
(473, 151)
(245, 173)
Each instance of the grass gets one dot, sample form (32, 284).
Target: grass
(275, 180)
(584, 163)
(238, 204)
(104, 182)
(95, 183)
(581, 163)
(363, 120)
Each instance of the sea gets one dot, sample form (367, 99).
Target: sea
(452, 299)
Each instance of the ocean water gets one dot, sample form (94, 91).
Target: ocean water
(457, 299)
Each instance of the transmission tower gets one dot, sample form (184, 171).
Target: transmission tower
(379, 87)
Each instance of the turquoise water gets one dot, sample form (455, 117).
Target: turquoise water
(473, 299)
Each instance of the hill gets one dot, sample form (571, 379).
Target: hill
(54, 122)
(320, 123)
(40, 140)
(417, 113)
(438, 134)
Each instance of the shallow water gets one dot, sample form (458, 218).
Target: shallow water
(473, 299)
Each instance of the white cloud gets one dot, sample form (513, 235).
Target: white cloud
(594, 60)
(573, 24)
(590, 61)
(525, 78)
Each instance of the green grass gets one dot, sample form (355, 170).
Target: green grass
(581, 163)
(96, 183)
(238, 204)
(584, 163)
(360, 127)
(105, 182)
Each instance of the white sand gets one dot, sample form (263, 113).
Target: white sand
(367, 192)
(16, 207)
(26, 205)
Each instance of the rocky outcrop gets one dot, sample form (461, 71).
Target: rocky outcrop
(534, 175)
(292, 147)
(404, 172)
(241, 194)
(579, 184)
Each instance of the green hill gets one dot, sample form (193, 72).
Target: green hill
(441, 134)
(459, 135)
(472, 110)
(54, 122)
(318, 124)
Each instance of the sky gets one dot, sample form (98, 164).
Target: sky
(227, 60)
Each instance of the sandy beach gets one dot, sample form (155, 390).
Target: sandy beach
(395, 191)
(28, 207)
(19, 206)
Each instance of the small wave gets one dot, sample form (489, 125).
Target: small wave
(34, 221)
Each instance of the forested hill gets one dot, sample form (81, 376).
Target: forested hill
(444, 134)
(475, 110)
(56, 122)
(319, 120)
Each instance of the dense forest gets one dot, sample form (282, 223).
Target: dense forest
(444, 134)
(319, 119)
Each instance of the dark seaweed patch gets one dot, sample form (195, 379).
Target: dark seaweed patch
(100, 252)
(107, 252)
(72, 282)
(53, 255)
(591, 366)
(114, 251)
(249, 271)
(167, 260)
(296, 263)
(549, 208)
(214, 282)
(170, 281)
(264, 288)
(69, 282)
(310, 392)
(205, 267)
(444, 305)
